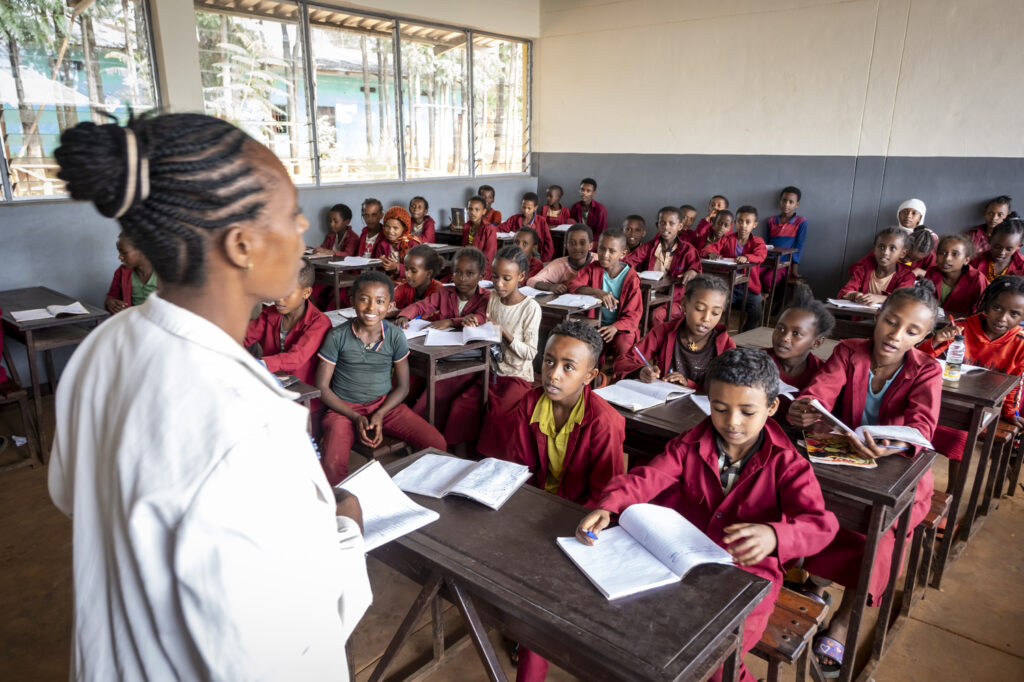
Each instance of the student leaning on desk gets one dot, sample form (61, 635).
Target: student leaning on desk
(207, 542)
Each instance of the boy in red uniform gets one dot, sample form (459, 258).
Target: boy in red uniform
(340, 241)
(530, 217)
(479, 233)
(491, 215)
(959, 284)
(587, 210)
(134, 280)
(569, 437)
(717, 203)
(668, 254)
(737, 477)
(422, 264)
(618, 287)
(996, 211)
(635, 228)
(1003, 255)
(372, 211)
(744, 246)
(554, 212)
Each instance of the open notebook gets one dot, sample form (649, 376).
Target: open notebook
(354, 261)
(652, 546)
(49, 311)
(575, 301)
(388, 513)
(460, 337)
(856, 307)
(906, 434)
(490, 481)
(636, 395)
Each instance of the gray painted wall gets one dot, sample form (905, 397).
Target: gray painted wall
(846, 199)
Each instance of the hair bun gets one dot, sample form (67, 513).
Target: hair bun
(92, 163)
(927, 285)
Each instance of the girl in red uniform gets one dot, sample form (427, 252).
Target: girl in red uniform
(396, 242)
(880, 273)
(800, 330)
(422, 224)
(1003, 254)
(959, 284)
(422, 264)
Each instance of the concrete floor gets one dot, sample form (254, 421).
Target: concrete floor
(972, 630)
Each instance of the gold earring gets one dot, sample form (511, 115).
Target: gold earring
(248, 267)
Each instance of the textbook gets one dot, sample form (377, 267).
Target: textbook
(49, 311)
(652, 546)
(561, 228)
(388, 513)
(651, 275)
(490, 481)
(906, 434)
(834, 450)
(575, 301)
(856, 307)
(339, 316)
(720, 261)
(506, 235)
(354, 262)
(531, 292)
(449, 337)
(636, 395)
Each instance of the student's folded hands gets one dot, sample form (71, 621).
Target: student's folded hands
(594, 522)
(749, 543)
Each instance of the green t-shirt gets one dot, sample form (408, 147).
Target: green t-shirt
(141, 290)
(361, 374)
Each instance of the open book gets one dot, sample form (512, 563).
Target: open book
(906, 434)
(506, 235)
(449, 337)
(720, 261)
(354, 262)
(652, 275)
(490, 481)
(636, 395)
(49, 312)
(856, 307)
(575, 301)
(388, 513)
(339, 316)
(531, 292)
(652, 546)
(416, 328)
(834, 450)
(561, 228)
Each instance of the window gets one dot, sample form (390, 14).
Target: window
(59, 67)
(500, 105)
(253, 72)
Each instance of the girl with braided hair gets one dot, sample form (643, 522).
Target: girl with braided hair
(207, 541)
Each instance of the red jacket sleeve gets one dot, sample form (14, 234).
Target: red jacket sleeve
(429, 235)
(601, 219)
(582, 279)
(631, 304)
(757, 251)
(650, 345)
(604, 451)
(638, 257)
(476, 306)
(121, 285)
(857, 281)
(806, 527)
(643, 483)
(489, 245)
(547, 244)
(256, 328)
(305, 345)
(828, 383)
(428, 308)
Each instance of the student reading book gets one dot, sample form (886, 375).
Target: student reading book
(490, 481)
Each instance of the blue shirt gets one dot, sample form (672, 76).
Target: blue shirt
(788, 235)
(613, 285)
(873, 401)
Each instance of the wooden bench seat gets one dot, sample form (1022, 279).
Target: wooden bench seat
(789, 634)
(12, 392)
(388, 447)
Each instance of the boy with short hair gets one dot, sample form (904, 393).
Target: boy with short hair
(556, 275)
(286, 335)
(788, 231)
(618, 287)
(373, 212)
(716, 204)
(479, 233)
(689, 217)
(491, 215)
(530, 217)
(745, 247)
(635, 228)
(737, 477)
(587, 210)
(554, 212)
(669, 254)
(341, 240)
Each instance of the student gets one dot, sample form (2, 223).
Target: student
(689, 217)
(786, 230)
(716, 204)
(635, 229)
(556, 275)
(910, 217)
(737, 477)
(919, 250)
(372, 211)
(528, 241)
(518, 317)
(587, 210)
(363, 377)
(340, 241)
(286, 335)
(422, 224)
(721, 226)
(422, 265)
(745, 247)
(492, 216)
(880, 273)
(134, 280)
(1003, 255)
(993, 339)
(680, 350)
(996, 211)
(479, 233)
(618, 287)
(554, 212)
(569, 437)
(881, 380)
(799, 331)
(529, 217)
(396, 242)
(911, 214)
(668, 254)
(959, 284)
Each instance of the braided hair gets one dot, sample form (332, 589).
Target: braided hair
(513, 254)
(1011, 225)
(1000, 285)
(803, 299)
(198, 178)
(922, 292)
(705, 283)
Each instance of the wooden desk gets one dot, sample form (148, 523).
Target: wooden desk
(778, 257)
(43, 335)
(761, 337)
(429, 363)
(868, 501)
(654, 294)
(558, 239)
(552, 315)
(734, 274)
(445, 235)
(337, 276)
(504, 568)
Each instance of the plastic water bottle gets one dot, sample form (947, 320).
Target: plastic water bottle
(954, 360)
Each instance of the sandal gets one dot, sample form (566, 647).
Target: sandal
(826, 647)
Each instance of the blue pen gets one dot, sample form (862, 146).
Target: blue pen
(590, 534)
(641, 356)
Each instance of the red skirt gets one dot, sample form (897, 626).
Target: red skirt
(499, 428)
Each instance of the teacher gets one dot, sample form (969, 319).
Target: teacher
(207, 541)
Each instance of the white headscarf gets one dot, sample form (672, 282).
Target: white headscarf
(915, 204)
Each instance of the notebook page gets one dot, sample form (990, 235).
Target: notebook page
(622, 396)
(907, 434)
(662, 390)
(388, 513)
(432, 475)
(831, 418)
(531, 292)
(667, 535)
(652, 275)
(491, 482)
(575, 301)
(701, 401)
(484, 332)
(75, 308)
(722, 261)
(443, 337)
(34, 314)
(617, 564)
(416, 329)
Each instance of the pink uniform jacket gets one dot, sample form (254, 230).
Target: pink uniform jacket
(659, 348)
(860, 277)
(444, 305)
(597, 218)
(776, 487)
(121, 285)
(631, 305)
(755, 251)
(298, 357)
(592, 458)
(547, 246)
(966, 292)
(485, 239)
(347, 247)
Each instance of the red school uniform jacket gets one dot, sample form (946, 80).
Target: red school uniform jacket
(427, 234)
(965, 293)
(798, 382)
(979, 237)
(547, 245)
(405, 295)
(776, 487)
(755, 251)
(385, 249)
(121, 285)
(685, 257)
(631, 306)
(860, 277)
(346, 247)
(659, 349)
(444, 305)
(298, 357)
(485, 239)
(1005, 354)
(597, 218)
(592, 458)
(560, 218)
(492, 217)
(983, 262)
(367, 251)
(536, 265)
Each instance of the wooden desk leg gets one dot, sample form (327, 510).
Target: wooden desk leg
(645, 315)
(478, 632)
(734, 661)
(419, 607)
(882, 625)
(967, 529)
(487, 380)
(743, 312)
(942, 556)
(860, 602)
(337, 289)
(728, 299)
(37, 398)
(437, 618)
(996, 469)
(768, 297)
(431, 388)
(11, 369)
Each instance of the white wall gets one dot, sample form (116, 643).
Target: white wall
(791, 77)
